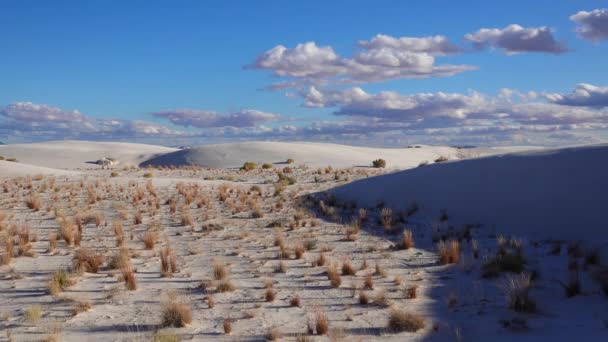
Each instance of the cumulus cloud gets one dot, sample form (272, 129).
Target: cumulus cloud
(515, 39)
(210, 119)
(45, 121)
(380, 59)
(472, 110)
(592, 25)
(583, 95)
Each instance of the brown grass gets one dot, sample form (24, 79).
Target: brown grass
(168, 262)
(407, 241)
(220, 271)
(227, 326)
(363, 299)
(334, 275)
(347, 268)
(400, 320)
(269, 296)
(149, 239)
(176, 313)
(295, 300)
(128, 276)
(449, 253)
(368, 281)
(33, 202)
(52, 242)
(119, 233)
(321, 322)
(87, 260)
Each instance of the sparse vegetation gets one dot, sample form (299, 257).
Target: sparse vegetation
(379, 163)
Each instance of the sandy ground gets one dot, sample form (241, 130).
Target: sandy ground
(254, 223)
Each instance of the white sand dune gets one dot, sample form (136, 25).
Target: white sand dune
(559, 193)
(311, 154)
(71, 154)
(12, 169)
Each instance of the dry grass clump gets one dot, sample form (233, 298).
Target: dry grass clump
(449, 253)
(220, 270)
(33, 202)
(9, 246)
(149, 239)
(175, 312)
(58, 282)
(506, 262)
(87, 260)
(573, 286)
(363, 298)
(269, 295)
(295, 300)
(119, 233)
(368, 281)
(186, 217)
(347, 268)
(400, 320)
(386, 217)
(517, 288)
(411, 292)
(299, 250)
(66, 231)
(128, 276)
(52, 242)
(321, 322)
(33, 313)
(119, 260)
(407, 241)
(168, 262)
(274, 334)
(334, 275)
(80, 306)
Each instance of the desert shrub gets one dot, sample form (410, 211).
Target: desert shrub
(441, 159)
(517, 288)
(290, 161)
(508, 262)
(266, 166)
(386, 216)
(58, 282)
(407, 241)
(400, 320)
(270, 295)
(220, 271)
(449, 253)
(379, 163)
(114, 174)
(334, 275)
(368, 281)
(128, 276)
(363, 299)
(176, 313)
(33, 313)
(248, 166)
(87, 260)
(321, 322)
(33, 202)
(347, 268)
(225, 285)
(148, 175)
(12, 159)
(295, 300)
(149, 239)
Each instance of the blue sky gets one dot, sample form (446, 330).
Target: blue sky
(128, 60)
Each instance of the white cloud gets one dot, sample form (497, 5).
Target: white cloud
(380, 59)
(26, 119)
(515, 39)
(209, 119)
(583, 95)
(592, 25)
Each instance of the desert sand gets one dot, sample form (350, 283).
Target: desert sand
(324, 248)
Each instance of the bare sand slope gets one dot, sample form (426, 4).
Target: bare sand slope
(311, 154)
(73, 154)
(12, 169)
(559, 193)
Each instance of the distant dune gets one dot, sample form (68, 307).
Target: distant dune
(73, 154)
(13, 169)
(311, 154)
(560, 193)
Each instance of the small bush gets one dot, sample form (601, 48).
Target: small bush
(400, 320)
(149, 239)
(248, 166)
(407, 241)
(227, 326)
(176, 313)
(516, 289)
(58, 282)
(441, 159)
(33, 202)
(449, 253)
(290, 161)
(379, 163)
(321, 322)
(33, 313)
(266, 166)
(333, 275)
(148, 175)
(87, 260)
(295, 300)
(114, 174)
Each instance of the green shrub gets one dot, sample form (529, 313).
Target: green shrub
(148, 175)
(290, 161)
(379, 163)
(266, 166)
(248, 166)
